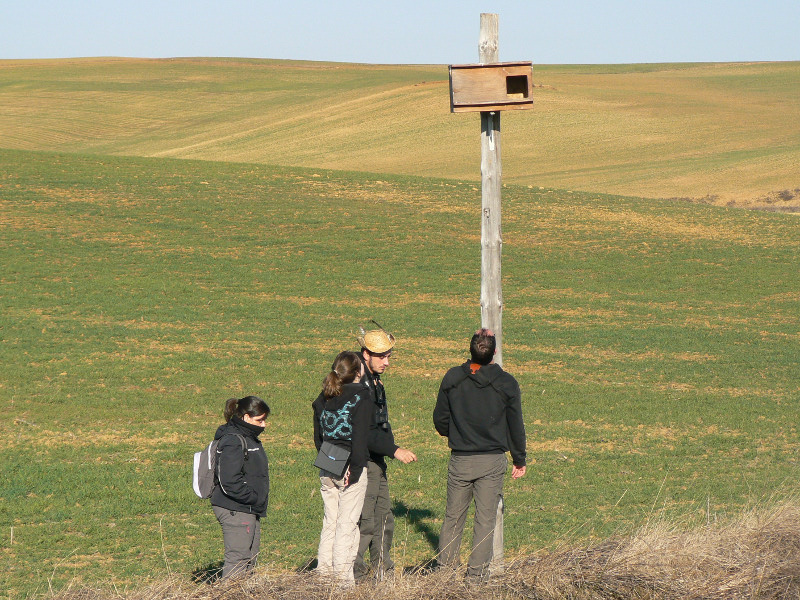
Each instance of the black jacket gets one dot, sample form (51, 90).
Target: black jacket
(481, 412)
(346, 423)
(381, 439)
(243, 484)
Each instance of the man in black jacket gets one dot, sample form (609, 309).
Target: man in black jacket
(376, 526)
(479, 411)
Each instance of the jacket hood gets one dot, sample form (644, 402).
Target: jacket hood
(485, 375)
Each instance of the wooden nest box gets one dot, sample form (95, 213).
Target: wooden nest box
(491, 87)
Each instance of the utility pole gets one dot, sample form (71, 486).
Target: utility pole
(491, 187)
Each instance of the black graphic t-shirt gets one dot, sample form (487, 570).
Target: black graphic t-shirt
(345, 420)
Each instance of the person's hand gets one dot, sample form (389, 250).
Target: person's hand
(405, 456)
(517, 472)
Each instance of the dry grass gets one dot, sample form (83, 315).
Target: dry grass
(756, 556)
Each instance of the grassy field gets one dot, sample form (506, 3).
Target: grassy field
(656, 344)
(725, 133)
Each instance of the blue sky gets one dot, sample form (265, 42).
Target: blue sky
(402, 32)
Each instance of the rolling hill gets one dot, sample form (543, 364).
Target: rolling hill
(721, 133)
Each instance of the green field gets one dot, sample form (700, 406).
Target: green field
(723, 133)
(176, 232)
(656, 344)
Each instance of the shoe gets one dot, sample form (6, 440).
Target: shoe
(475, 581)
(363, 575)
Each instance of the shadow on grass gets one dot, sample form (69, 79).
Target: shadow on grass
(307, 566)
(209, 573)
(417, 518)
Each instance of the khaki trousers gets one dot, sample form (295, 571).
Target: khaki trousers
(480, 478)
(338, 542)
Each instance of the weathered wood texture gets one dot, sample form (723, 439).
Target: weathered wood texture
(491, 183)
(493, 87)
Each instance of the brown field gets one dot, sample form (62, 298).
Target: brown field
(716, 133)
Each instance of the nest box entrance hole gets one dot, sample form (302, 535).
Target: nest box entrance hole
(517, 86)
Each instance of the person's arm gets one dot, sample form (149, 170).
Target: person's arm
(359, 453)
(441, 412)
(516, 428)
(381, 441)
(405, 456)
(317, 407)
(230, 471)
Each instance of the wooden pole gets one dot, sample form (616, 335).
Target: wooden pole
(491, 184)
(491, 237)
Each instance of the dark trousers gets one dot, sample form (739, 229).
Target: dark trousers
(480, 478)
(241, 533)
(376, 526)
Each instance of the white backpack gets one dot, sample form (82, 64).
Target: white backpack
(205, 464)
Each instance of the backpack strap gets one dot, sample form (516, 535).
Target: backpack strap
(244, 444)
(244, 452)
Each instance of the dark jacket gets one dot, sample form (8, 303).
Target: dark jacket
(243, 484)
(381, 439)
(481, 412)
(344, 420)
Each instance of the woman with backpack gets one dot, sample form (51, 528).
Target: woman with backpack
(241, 492)
(342, 419)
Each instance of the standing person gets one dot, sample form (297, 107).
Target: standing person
(377, 521)
(479, 411)
(342, 416)
(241, 492)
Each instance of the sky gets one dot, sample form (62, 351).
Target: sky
(405, 32)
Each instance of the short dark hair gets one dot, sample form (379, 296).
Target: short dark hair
(482, 346)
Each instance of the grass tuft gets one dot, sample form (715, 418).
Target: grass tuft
(755, 556)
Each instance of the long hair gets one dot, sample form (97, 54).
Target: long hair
(345, 367)
(252, 406)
